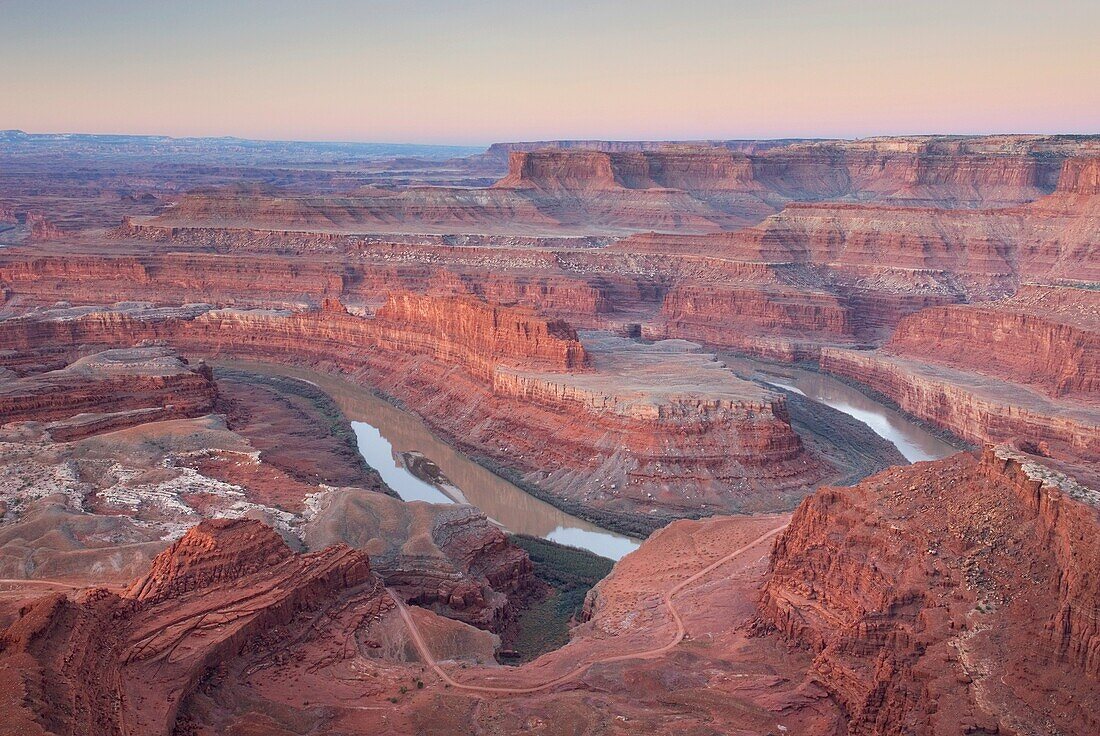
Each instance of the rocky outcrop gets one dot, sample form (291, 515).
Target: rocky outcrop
(500, 152)
(170, 278)
(831, 273)
(106, 663)
(41, 229)
(684, 187)
(503, 390)
(552, 170)
(827, 271)
(477, 334)
(974, 171)
(774, 321)
(430, 210)
(922, 592)
(1065, 511)
(1056, 353)
(1080, 175)
(449, 559)
(109, 390)
(690, 168)
(116, 500)
(506, 276)
(1022, 367)
(216, 552)
(972, 406)
(815, 273)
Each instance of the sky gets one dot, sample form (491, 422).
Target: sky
(476, 71)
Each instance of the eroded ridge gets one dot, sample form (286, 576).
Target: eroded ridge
(640, 433)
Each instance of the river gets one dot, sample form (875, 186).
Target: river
(388, 437)
(386, 434)
(913, 441)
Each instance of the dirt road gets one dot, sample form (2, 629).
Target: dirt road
(666, 599)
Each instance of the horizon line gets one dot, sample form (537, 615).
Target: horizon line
(536, 139)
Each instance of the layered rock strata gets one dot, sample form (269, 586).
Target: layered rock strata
(911, 592)
(972, 406)
(816, 273)
(126, 663)
(94, 505)
(1027, 367)
(692, 188)
(449, 559)
(108, 391)
(1023, 339)
(526, 379)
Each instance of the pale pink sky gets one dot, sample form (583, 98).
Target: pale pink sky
(449, 71)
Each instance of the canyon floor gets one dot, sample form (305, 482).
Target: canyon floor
(269, 425)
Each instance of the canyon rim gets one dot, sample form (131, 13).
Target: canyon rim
(685, 408)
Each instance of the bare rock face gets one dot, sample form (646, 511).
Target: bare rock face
(1021, 339)
(477, 334)
(698, 188)
(776, 250)
(256, 273)
(450, 559)
(216, 552)
(612, 437)
(1022, 367)
(108, 391)
(770, 320)
(126, 664)
(41, 229)
(170, 278)
(951, 594)
(557, 170)
(1080, 176)
(975, 407)
(989, 171)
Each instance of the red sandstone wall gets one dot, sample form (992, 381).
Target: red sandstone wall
(530, 280)
(772, 321)
(1067, 527)
(955, 408)
(477, 334)
(620, 469)
(920, 581)
(914, 171)
(186, 394)
(1080, 175)
(1058, 358)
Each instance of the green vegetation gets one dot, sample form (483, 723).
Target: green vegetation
(569, 573)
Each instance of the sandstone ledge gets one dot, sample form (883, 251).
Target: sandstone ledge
(974, 407)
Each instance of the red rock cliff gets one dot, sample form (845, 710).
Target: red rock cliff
(1080, 175)
(124, 386)
(478, 334)
(1058, 354)
(924, 590)
(126, 665)
(614, 444)
(974, 407)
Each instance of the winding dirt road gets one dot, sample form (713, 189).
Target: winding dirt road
(666, 599)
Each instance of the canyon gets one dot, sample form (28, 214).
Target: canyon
(594, 429)
(194, 541)
(930, 642)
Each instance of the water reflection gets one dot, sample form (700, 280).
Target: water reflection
(385, 434)
(912, 440)
(379, 454)
(601, 542)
